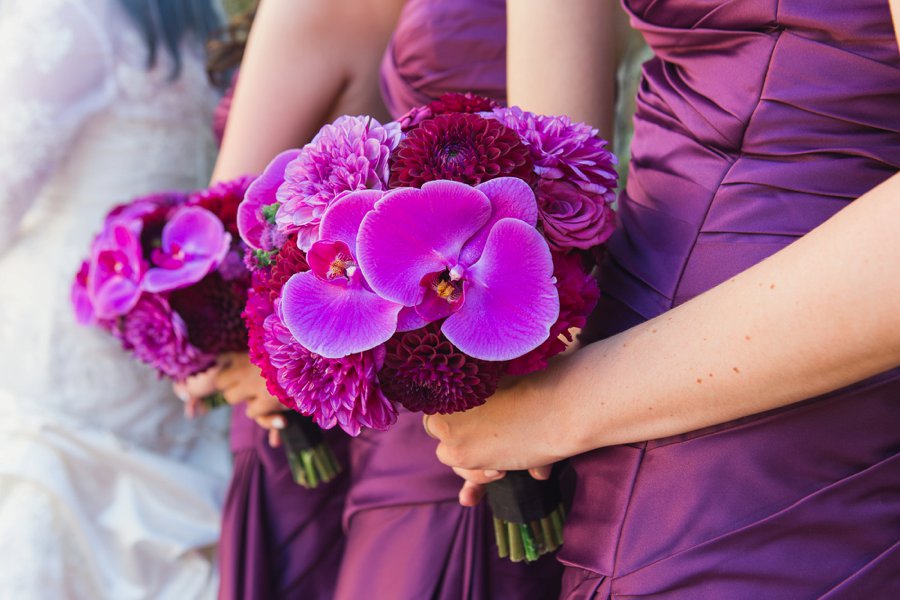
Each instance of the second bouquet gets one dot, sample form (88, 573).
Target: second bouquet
(418, 262)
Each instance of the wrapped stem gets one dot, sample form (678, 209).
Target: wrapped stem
(213, 401)
(311, 459)
(528, 516)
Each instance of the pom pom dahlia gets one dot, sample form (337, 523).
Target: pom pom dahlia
(211, 310)
(333, 391)
(424, 372)
(459, 147)
(350, 154)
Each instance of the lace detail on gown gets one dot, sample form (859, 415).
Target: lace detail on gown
(101, 477)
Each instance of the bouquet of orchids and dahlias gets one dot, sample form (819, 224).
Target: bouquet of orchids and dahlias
(166, 276)
(419, 261)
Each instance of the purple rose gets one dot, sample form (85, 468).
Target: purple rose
(572, 217)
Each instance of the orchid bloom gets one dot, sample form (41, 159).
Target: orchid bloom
(330, 309)
(194, 242)
(256, 214)
(116, 267)
(470, 254)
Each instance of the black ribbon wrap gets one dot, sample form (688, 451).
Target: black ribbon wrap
(300, 433)
(520, 498)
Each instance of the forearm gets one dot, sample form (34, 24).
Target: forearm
(562, 58)
(817, 316)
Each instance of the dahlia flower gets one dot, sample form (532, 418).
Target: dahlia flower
(424, 372)
(562, 149)
(350, 154)
(460, 147)
(158, 337)
(448, 103)
(342, 391)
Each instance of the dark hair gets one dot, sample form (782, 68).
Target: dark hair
(165, 23)
(225, 49)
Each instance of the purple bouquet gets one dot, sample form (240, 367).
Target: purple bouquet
(166, 277)
(419, 261)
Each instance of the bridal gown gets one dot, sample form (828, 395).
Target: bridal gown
(106, 491)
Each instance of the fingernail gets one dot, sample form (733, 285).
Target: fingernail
(182, 395)
(491, 473)
(278, 423)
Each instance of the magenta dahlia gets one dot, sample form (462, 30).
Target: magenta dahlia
(452, 102)
(158, 336)
(424, 372)
(562, 149)
(460, 147)
(578, 295)
(333, 391)
(350, 154)
(256, 311)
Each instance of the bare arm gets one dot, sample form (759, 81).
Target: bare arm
(562, 58)
(817, 316)
(302, 60)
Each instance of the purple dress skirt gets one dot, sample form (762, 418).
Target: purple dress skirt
(279, 540)
(407, 537)
(757, 121)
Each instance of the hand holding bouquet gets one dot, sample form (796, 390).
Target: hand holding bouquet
(420, 261)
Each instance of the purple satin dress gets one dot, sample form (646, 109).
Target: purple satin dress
(279, 540)
(407, 536)
(757, 121)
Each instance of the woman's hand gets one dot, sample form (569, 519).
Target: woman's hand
(240, 381)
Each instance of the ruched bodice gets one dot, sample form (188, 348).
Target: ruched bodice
(757, 121)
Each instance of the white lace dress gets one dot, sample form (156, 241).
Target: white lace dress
(106, 491)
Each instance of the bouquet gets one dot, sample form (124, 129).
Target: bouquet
(419, 261)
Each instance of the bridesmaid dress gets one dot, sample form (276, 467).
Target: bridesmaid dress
(407, 536)
(279, 540)
(757, 121)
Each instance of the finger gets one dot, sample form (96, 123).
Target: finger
(227, 378)
(224, 361)
(274, 438)
(541, 473)
(471, 494)
(271, 421)
(480, 476)
(181, 391)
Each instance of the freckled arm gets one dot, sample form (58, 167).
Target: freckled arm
(819, 315)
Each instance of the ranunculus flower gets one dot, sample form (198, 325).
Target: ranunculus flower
(333, 391)
(350, 154)
(256, 214)
(471, 255)
(116, 270)
(330, 309)
(573, 218)
(459, 147)
(194, 242)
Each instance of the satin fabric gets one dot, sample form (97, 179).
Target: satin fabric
(757, 121)
(279, 540)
